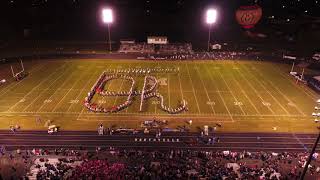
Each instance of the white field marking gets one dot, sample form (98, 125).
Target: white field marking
(102, 101)
(180, 84)
(44, 80)
(238, 103)
(285, 96)
(74, 83)
(257, 93)
(110, 83)
(205, 89)
(39, 95)
(62, 85)
(155, 102)
(83, 89)
(211, 103)
(47, 101)
(266, 103)
(264, 87)
(74, 101)
(223, 101)
(12, 85)
(244, 92)
(157, 74)
(123, 80)
(307, 91)
(234, 97)
(149, 115)
(83, 108)
(194, 92)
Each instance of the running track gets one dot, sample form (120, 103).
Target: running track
(276, 142)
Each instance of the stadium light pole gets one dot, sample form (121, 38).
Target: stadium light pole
(211, 17)
(107, 18)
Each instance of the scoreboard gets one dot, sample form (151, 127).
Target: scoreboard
(157, 40)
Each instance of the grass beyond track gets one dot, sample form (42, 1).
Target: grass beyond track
(244, 96)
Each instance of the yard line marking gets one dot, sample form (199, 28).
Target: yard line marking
(83, 108)
(180, 85)
(205, 89)
(44, 80)
(264, 87)
(62, 85)
(12, 85)
(90, 79)
(39, 95)
(194, 92)
(285, 96)
(225, 82)
(123, 80)
(223, 101)
(74, 83)
(106, 85)
(245, 94)
(257, 93)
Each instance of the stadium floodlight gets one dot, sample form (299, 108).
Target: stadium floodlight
(211, 18)
(107, 17)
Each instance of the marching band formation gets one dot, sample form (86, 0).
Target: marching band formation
(146, 93)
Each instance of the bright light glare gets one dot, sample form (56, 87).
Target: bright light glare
(211, 16)
(107, 16)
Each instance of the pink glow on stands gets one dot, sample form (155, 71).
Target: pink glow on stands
(107, 15)
(211, 16)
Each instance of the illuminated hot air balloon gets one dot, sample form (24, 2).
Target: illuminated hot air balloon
(248, 16)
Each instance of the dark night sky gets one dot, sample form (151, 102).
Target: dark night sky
(180, 20)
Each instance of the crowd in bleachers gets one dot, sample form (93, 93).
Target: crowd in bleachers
(150, 48)
(176, 48)
(203, 56)
(111, 163)
(136, 48)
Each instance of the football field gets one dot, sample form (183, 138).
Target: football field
(243, 96)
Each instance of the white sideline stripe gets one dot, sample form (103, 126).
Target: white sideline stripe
(173, 116)
(194, 92)
(36, 87)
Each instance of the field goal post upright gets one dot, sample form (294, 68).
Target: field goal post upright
(22, 65)
(16, 75)
(13, 74)
(292, 67)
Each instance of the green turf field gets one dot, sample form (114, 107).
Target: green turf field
(241, 95)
